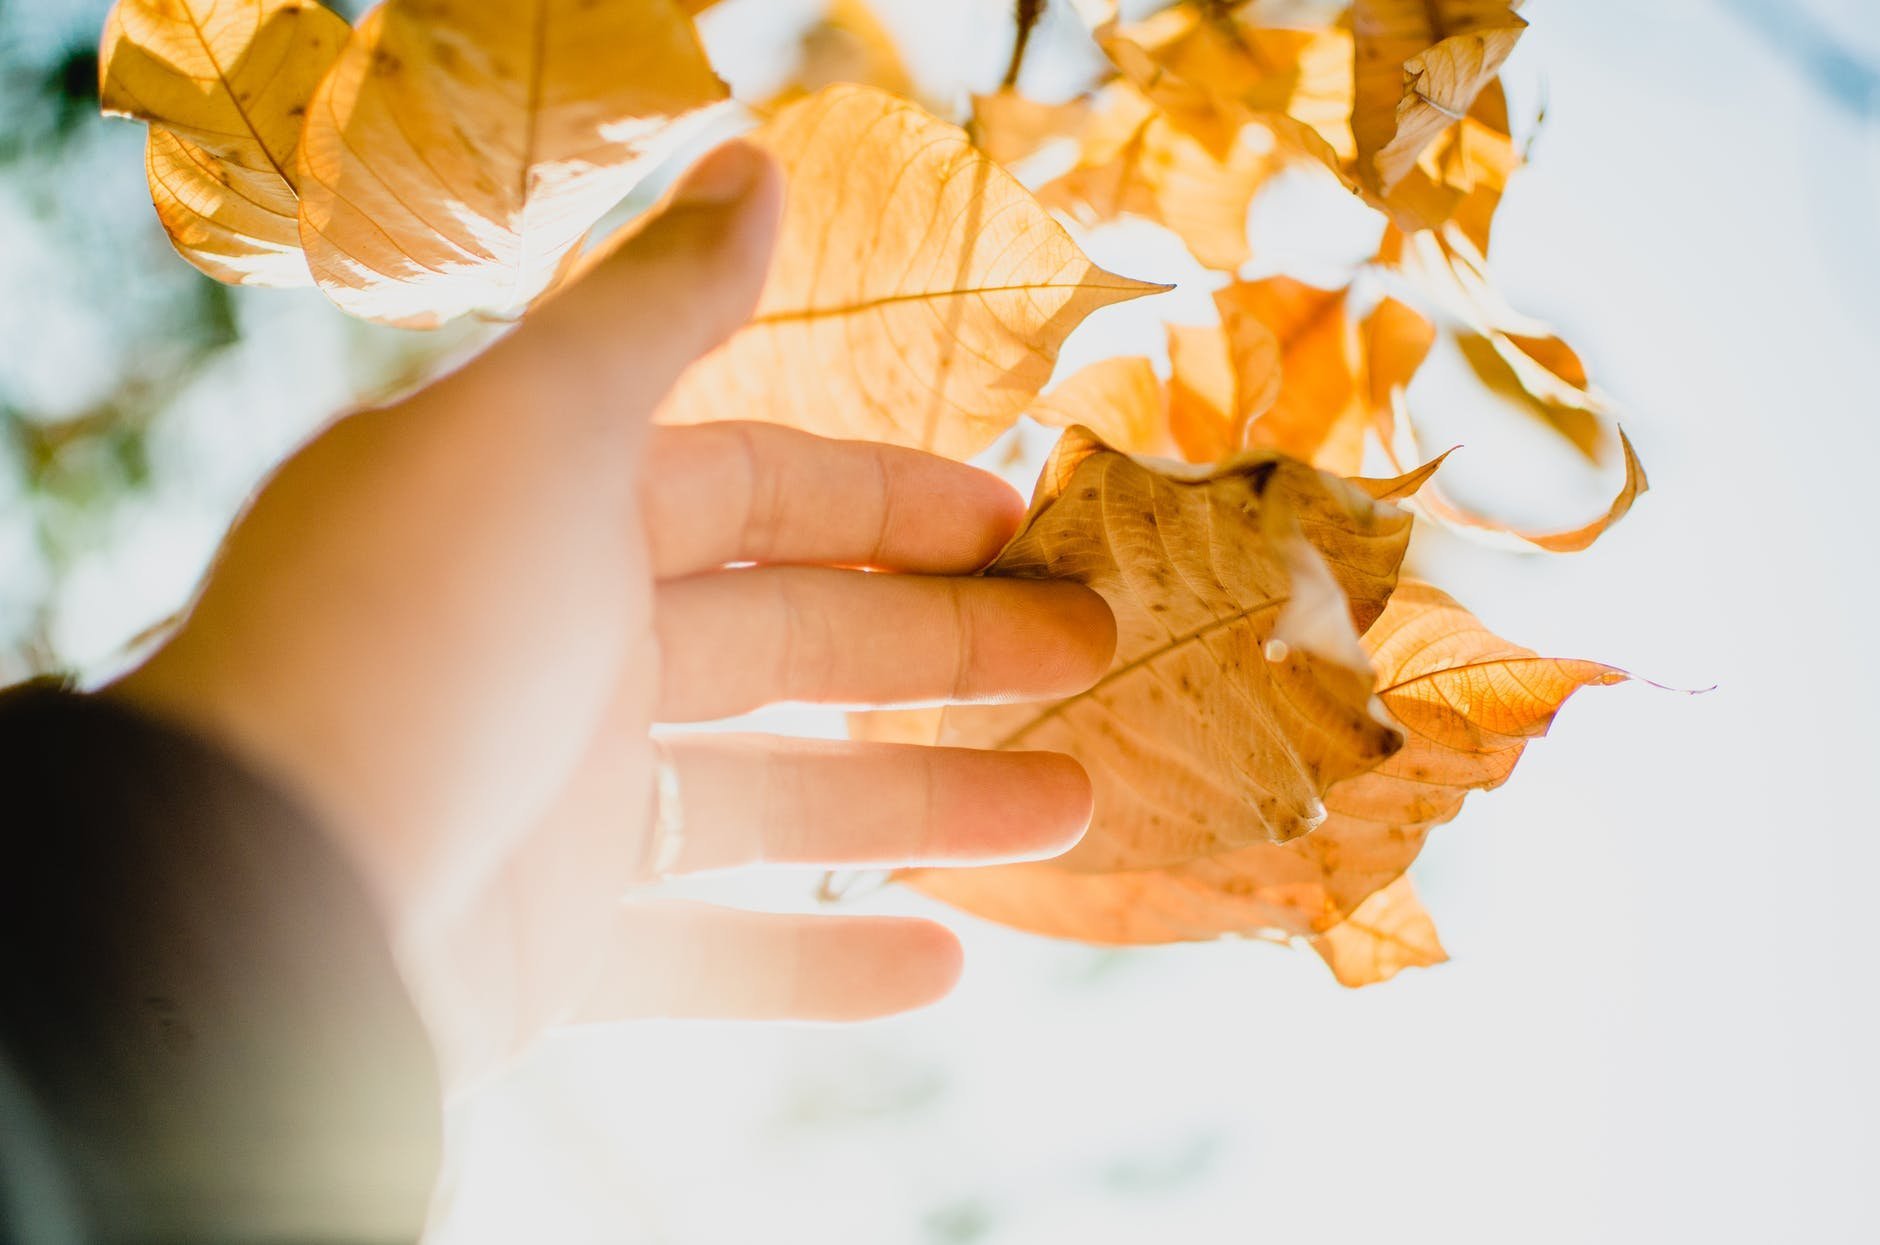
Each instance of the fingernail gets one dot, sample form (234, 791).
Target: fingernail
(722, 176)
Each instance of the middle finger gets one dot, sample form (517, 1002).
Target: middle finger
(733, 641)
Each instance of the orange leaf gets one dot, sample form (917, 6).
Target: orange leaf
(1205, 734)
(1391, 932)
(1201, 393)
(1420, 66)
(918, 295)
(1295, 386)
(458, 150)
(224, 86)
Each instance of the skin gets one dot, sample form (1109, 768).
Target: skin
(449, 624)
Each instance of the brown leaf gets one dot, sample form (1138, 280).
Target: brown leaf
(918, 295)
(1120, 400)
(1420, 65)
(1391, 932)
(1469, 703)
(1204, 734)
(224, 86)
(458, 150)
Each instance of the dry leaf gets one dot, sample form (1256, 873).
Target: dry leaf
(1201, 392)
(1419, 66)
(1120, 400)
(1541, 374)
(918, 295)
(1136, 161)
(224, 85)
(1469, 703)
(1204, 734)
(457, 151)
(1391, 932)
(1296, 389)
(1009, 126)
(1395, 340)
(1212, 67)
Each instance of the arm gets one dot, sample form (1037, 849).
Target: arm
(204, 1037)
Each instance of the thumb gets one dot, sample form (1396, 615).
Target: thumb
(665, 290)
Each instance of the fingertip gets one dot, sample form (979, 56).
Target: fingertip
(1068, 801)
(1088, 632)
(906, 963)
(998, 506)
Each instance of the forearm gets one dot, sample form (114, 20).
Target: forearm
(204, 1034)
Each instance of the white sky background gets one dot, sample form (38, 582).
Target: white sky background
(1660, 1021)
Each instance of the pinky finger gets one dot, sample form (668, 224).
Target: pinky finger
(694, 961)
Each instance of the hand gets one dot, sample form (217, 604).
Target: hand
(448, 625)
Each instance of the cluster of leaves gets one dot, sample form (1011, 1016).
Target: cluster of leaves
(1287, 716)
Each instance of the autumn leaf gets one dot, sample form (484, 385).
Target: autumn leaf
(918, 295)
(1468, 701)
(1296, 388)
(1209, 730)
(1009, 127)
(1213, 66)
(1202, 391)
(224, 85)
(1456, 184)
(1136, 161)
(457, 151)
(1120, 400)
(1419, 66)
(1392, 931)
(1539, 374)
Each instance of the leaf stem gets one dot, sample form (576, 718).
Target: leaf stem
(1025, 15)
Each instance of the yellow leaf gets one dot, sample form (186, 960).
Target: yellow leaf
(1118, 399)
(1420, 65)
(1391, 932)
(1213, 67)
(1136, 161)
(918, 295)
(238, 225)
(458, 150)
(1205, 734)
(224, 85)
(1009, 126)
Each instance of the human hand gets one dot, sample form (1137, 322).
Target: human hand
(449, 624)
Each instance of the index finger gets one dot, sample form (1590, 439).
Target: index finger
(716, 494)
